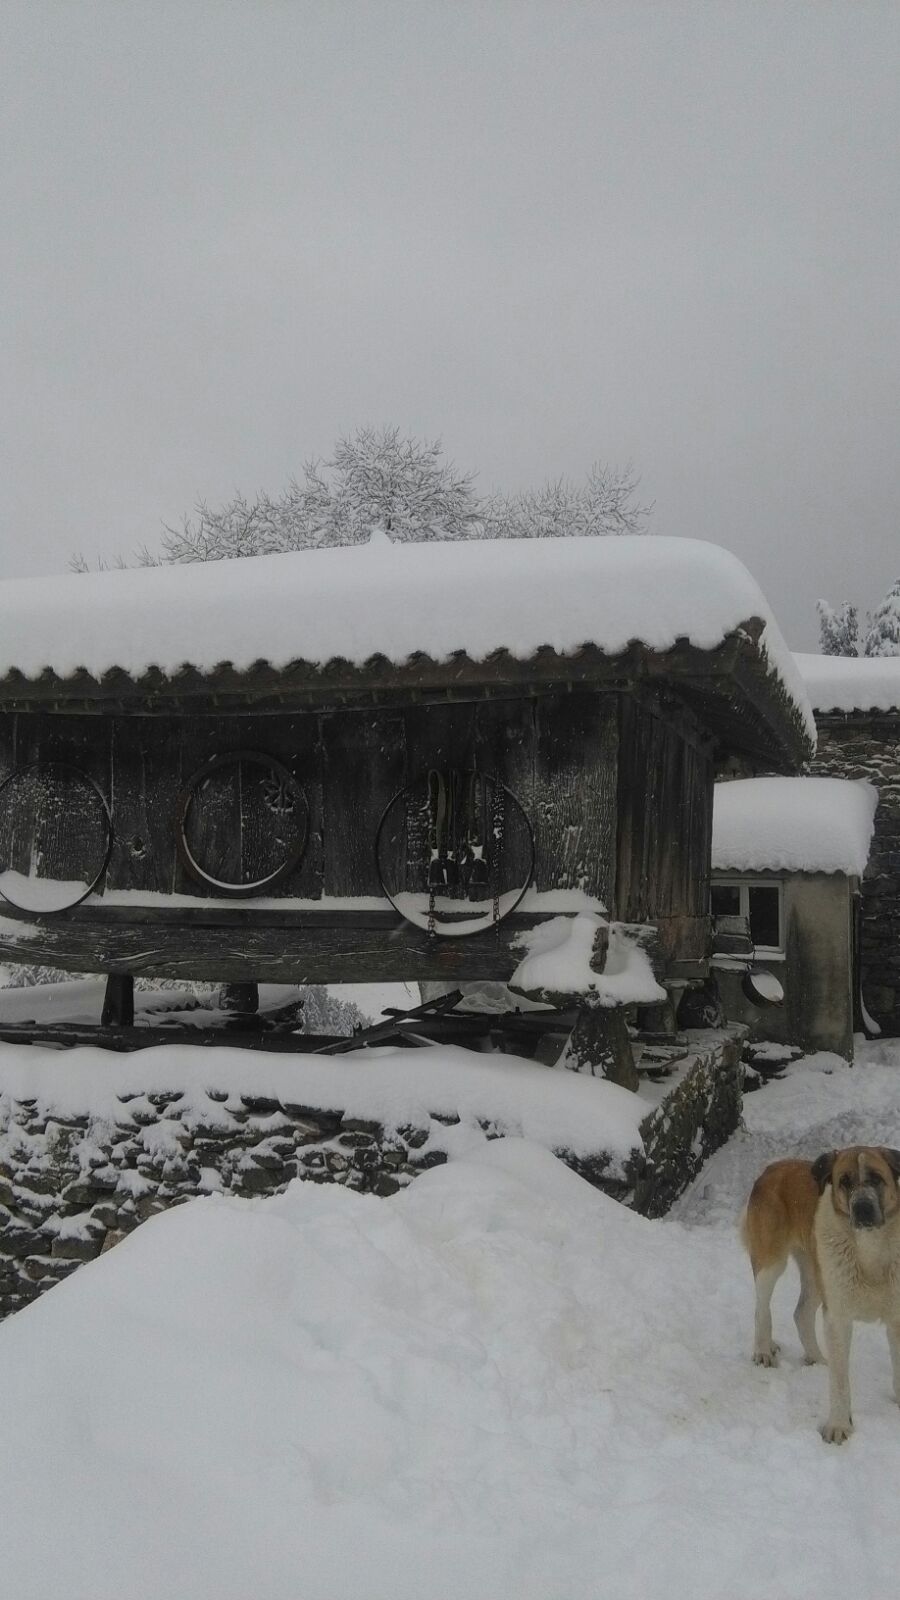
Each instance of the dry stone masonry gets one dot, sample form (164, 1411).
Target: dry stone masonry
(73, 1185)
(867, 745)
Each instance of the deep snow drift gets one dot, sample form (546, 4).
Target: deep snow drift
(496, 1384)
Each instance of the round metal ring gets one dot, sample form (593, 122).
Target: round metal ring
(183, 804)
(69, 768)
(466, 927)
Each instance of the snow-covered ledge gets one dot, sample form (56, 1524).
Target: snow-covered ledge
(91, 1143)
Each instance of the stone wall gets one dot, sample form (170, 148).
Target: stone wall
(696, 1112)
(856, 745)
(816, 970)
(73, 1185)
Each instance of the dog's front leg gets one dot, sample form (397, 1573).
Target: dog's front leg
(893, 1333)
(838, 1332)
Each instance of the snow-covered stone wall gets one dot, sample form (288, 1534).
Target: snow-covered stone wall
(79, 1170)
(867, 745)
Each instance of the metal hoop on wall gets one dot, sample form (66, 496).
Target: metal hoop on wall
(84, 886)
(283, 784)
(422, 907)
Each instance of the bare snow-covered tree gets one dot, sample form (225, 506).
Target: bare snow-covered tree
(401, 486)
(838, 630)
(603, 504)
(376, 478)
(379, 478)
(883, 632)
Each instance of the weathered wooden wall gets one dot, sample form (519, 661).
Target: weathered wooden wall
(618, 793)
(666, 781)
(557, 755)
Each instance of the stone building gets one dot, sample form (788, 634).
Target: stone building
(856, 702)
(788, 855)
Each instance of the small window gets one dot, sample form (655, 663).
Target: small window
(726, 900)
(758, 903)
(765, 918)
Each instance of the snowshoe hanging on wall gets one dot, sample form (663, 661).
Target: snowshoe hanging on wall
(455, 852)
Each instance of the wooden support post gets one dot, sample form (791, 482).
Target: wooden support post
(599, 1044)
(657, 1023)
(118, 1001)
(242, 1001)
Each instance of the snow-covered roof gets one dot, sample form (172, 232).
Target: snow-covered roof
(386, 603)
(793, 825)
(851, 683)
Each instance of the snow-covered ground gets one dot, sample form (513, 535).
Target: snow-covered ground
(497, 1385)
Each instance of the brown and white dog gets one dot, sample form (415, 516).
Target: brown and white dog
(839, 1217)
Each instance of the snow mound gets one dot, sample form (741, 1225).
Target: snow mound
(851, 683)
(559, 961)
(793, 825)
(497, 1383)
(560, 1110)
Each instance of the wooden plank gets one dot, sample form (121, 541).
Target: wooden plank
(125, 1039)
(665, 805)
(118, 1002)
(364, 767)
(146, 780)
(233, 831)
(576, 754)
(505, 747)
(379, 947)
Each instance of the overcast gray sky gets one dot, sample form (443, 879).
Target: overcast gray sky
(547, 232)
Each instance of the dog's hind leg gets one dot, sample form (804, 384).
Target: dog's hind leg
(765, 1351)
(807, 1306)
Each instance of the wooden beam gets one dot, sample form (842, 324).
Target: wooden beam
(373, 947)
(118, 1003)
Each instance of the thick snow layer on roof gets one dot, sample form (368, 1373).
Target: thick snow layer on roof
(474, 596)
(793, 825)
(851, 683)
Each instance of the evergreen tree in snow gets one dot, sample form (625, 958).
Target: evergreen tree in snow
(883, 633)
(838, 630)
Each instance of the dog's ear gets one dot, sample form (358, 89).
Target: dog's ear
(892, 1157)
(822, 1168)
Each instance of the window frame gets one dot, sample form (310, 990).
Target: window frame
(744, 885)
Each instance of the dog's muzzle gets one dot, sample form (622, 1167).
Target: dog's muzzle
(865, 1212)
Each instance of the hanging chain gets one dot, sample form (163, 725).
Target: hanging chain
(498, 817)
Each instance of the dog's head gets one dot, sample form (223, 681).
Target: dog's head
(863, 1181)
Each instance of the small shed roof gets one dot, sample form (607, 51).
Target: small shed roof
(851, 683)
(334, 625)
(793, 825)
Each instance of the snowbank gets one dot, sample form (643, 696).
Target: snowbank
(560, 1110)
(498, 1383)
(793, 825)
(851, 683)
(475, 596)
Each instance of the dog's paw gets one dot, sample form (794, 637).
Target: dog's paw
(836, 1432)
(817, 1360)
(767, 1357)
